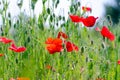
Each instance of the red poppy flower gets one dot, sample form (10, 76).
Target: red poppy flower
(54, 45)
(100, 79)
(48, 67)
(118, 62)
(5, 40)
(14, 48)
(62, 34)
(86, 8)
(1, 55)
(89, 21)
(75, 18)
(106, 33)
(70, 46)
(22, 78)
(12, 79)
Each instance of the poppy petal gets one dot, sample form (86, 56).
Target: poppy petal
(54, 45)
(49, 40)
(1, 55)
(89, 21)
(5, 40)
(14, 48)
(75, 18)
(86, 8)
(106, 33)
(118, 62)
(20, 49)
(70, 46)
(62, 34)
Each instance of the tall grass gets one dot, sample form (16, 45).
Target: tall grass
(96, 58)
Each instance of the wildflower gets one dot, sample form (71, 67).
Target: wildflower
(14, 48)
(1, 55)
(88, 22)
(70, 46)
(12, 79)
(100, 79)
(86, 9)
(118, 62)
(48, 67)
(62, 34)
(22, 78)
(54, 45)
(5, 40)
(106, 33)
(75, 18)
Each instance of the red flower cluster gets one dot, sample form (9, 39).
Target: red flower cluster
(106, 33)
(86, 9)
(13, 47)
(55, 45)
(88, 22)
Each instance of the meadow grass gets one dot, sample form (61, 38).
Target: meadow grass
(96, 58)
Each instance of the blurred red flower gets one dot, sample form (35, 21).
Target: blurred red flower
(88, 22)
(100, 79)
(12, 79)
(118, 62)
(54, 45)
(70, 46)
(86, 8)
(1, 55)
(5, 40)
(62, 34)
(48, 67)
(106, 33)
(22, 78)
(75, 18)
(14, 48)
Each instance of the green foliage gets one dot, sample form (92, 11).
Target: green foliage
(96, 58)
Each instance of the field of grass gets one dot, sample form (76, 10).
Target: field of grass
(97, 58)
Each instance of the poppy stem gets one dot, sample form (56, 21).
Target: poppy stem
(113, 44)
